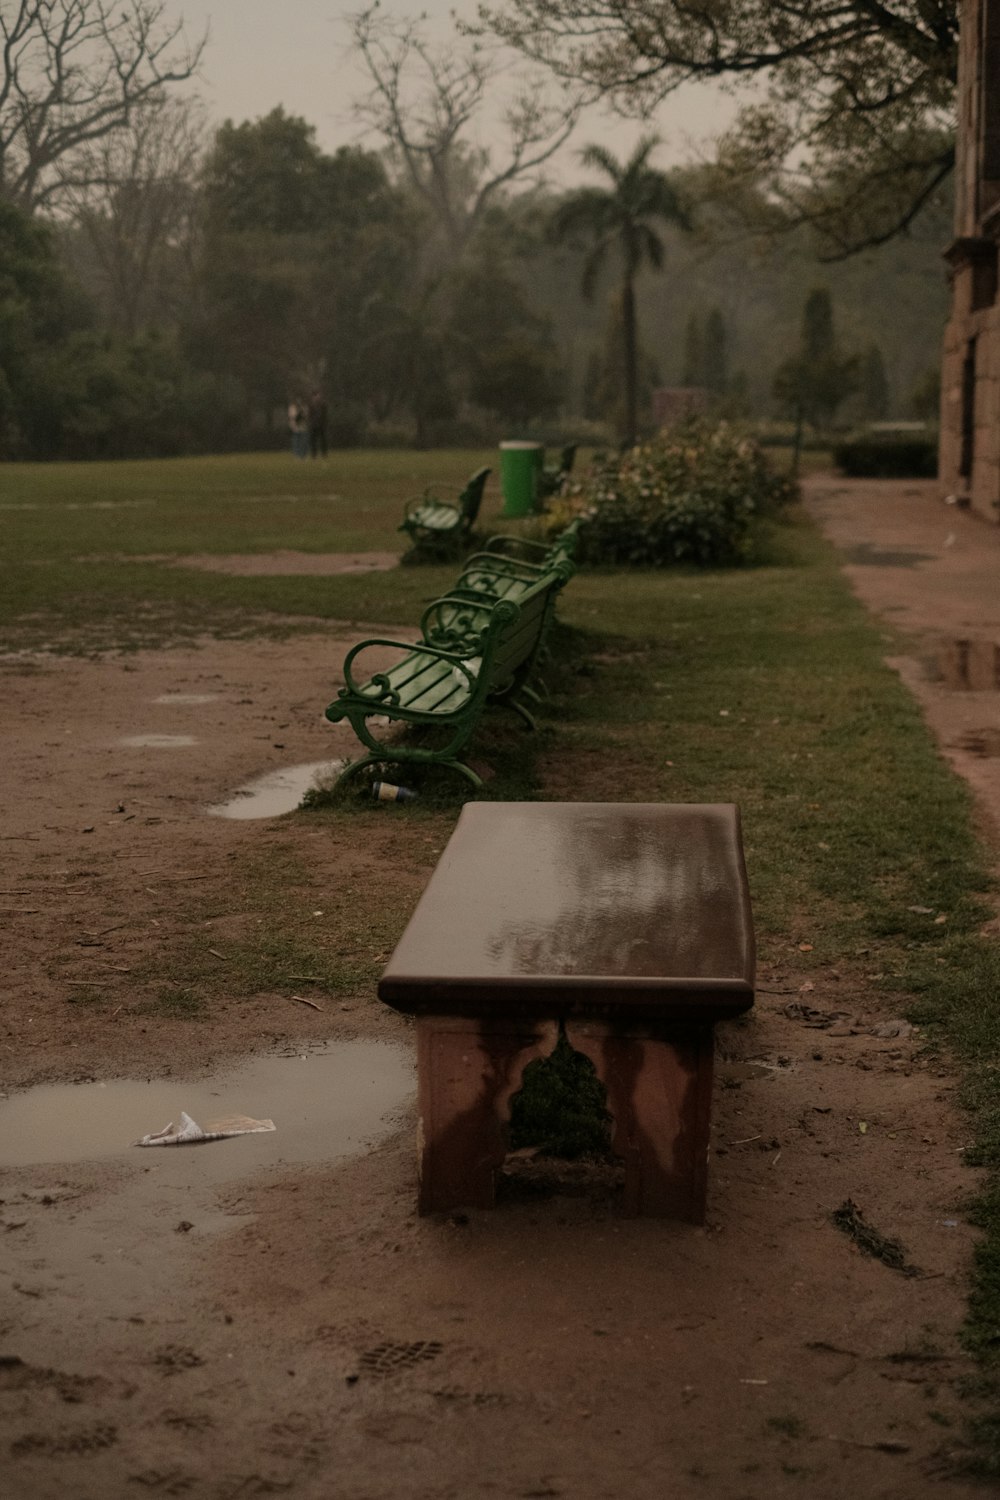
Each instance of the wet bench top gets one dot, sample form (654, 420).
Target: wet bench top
(582, 908)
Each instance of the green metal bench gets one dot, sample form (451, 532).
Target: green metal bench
(554, 476)
(443, 527)
(529, 553)
(463, 613)
(431, 686)
(486, 578)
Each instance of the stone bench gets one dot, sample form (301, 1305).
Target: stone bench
(628, 924)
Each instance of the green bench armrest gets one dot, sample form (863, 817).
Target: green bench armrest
(354, 689)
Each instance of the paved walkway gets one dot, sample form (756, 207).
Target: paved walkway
(932, 573)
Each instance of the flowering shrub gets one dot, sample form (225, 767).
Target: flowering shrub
(691, 495)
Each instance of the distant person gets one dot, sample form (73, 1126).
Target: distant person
(299, 429)
(316, 413)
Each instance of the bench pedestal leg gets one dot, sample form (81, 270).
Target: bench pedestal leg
(659, 1087)
(467, 1071)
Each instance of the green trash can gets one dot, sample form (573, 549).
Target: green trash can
(520, 471)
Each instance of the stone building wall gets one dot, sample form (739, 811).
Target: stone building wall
(970, 385)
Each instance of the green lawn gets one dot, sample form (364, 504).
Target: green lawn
(763, 686)
(85, 547)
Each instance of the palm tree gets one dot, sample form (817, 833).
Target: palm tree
(619, 218)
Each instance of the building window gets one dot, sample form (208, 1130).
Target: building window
(984, 277)
(967, 457)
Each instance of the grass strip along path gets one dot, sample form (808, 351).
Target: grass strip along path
(765, 686)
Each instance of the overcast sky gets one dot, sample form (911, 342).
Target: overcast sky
(296, 54)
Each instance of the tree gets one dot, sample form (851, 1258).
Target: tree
(269, 175)
(74, 72)
(620, 219)
(403, 341)
(38, 313)
(855, 132)
(818, 378)
(603, 398)
(925, 396)
(135, 212)
(693, 369)
(716, 366)
(504, 350)
(874, 385)
(424, 102)
(298, 249)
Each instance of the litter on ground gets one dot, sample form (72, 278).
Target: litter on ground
(190, 1133)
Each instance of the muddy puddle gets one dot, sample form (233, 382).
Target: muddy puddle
(970, 664)
(290, 564)
(186, 699)
(982, 742)
(158, 741)
(115, 1229)
(867, 555)
(325, 1104)
(276, 793)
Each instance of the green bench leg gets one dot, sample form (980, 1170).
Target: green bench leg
(520, 709)
(351, 771)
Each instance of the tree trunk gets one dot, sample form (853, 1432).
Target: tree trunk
(797, 441)
(631, 369)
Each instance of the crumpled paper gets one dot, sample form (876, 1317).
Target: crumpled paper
(190, 1133)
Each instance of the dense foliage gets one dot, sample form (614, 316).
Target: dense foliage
(193, 284)
(693, 495)
(848, 105)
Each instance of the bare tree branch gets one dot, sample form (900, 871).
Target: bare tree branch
(850, 81)
(133, 202)
(424, 103)
(74, 71)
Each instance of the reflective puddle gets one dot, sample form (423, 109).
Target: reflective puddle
(186, 698)
(81, 505)
(158, 741)
(277, 792)
(984, 742)
(970, 664)
(867, 555)
(324, 1105)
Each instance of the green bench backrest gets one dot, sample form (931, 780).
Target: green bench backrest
(471, 497)
(519, 628)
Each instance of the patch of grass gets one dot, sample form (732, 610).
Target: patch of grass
(86, 997)
(787, 1426)
(176, 1002)
(89, 549)
(502, 750)
(294, 934)
(271, 961)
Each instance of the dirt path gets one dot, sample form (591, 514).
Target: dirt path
(931, 572)
(170, 1326)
